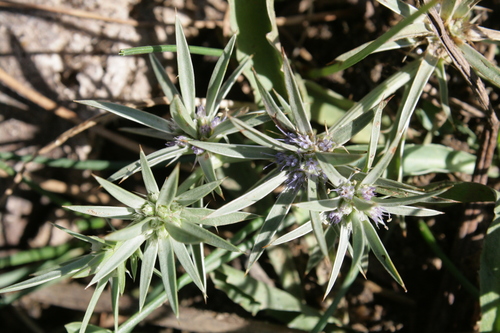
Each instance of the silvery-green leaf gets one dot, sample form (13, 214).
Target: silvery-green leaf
(208, 237)
(484, 67)
(227, 127)
(147, 175)
(166, 84)
(200, 216)
(374, 136)
(169, 189)
(208, 167)
(320, 205)
(217, 77)
(296, 105)
(124, 196)
(251, 152)
(260, 138)
(94, 265)
(117, 285)
(147, 268)
(330, 171)
(411, 211)
(380, 251)
(443, 87)
(198, 254)
(272, 223)
(344, 236)
(121, 253)
(298, 232)
(197, 193)
(94, 240)
(272, 181)
(181, 235)
(138, 116)
(67, 269)
(273, 110)
(123, 213)
(130, 231)
(162, 155)
(339, 158)
(185, 68)
(317, 224)
(182, 117)
(183, 256)
(93, 302)
(346, 132)
(399, 7)
(167, 266)
(391, 202)
(149, 132)
(361, 204)
(427, 66)
(194, 178)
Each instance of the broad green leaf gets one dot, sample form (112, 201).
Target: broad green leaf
(251, 152)
(147, 175)
(272, 223)
(200, 216)
(411, 211)
(185, 68)
(121, 253)
(208, 237)
(162, 155)
(260, 138)
(123, 213)
(166, 84)
(380, 251)
(183, 256)
(167, 266)
(147, 268)
(217, 77)
(124, 196)
(182, 117)
(138, 116)
(270, 183)
(169, 189)
(345, 234)
(489, 274)
(298, 114)
(191, 196)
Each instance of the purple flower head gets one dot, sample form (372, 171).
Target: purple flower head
(215, 122)
(325, 145)
(303, 141)
(312, 166)
(346, 191)
(286, 160)
(296, 179)
(377, 214)
(367, 192)
(205, 130)
(197, 151)
(334, 217)
(200, 111)
(180, 141)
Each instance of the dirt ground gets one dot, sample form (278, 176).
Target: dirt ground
(53, 52)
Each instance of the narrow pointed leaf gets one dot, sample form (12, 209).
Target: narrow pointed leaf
(147, 175)
(183, 256)
(138, 116)
(168, 275)
(484, 67)
(199, 262)
(169, 189)
(227, 127)
(272, 223)
(182, 117)
(185, 68)
(147, 268)
(380, 251)
(166, 84)
(251, 152)
(346, 132)
(121, 253)
(131, 231)
(217, 77)
(93, 302)
(159, 156)
(412, 211)
(122, 213)
(344, 236)
(273, 180)
(339, 158)
(298, 111)
(375, 134)
(390, 202)
(182, 235)
(191, 196)
(208, 237)
(294, 234)
(124, 196)
(200, 216)
(320, 205)
(330, 171)
(208, 167)
(317, 224)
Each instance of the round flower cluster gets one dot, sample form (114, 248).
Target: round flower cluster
(347, 191)
(300, 167)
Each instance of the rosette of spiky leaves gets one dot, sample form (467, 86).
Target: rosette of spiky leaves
(164, 221)
(188, 121)
(357, 199)
(296, 156)
(85, 266)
